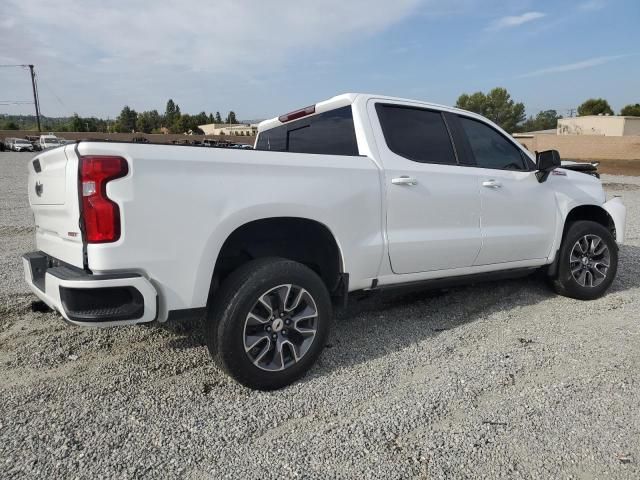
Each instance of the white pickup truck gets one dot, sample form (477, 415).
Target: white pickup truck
(359, 192)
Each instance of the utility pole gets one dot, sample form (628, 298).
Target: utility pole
(35, 96)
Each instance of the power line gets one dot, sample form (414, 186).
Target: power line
(46, 85)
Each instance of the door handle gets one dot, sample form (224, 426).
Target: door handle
(491, 184)
(404, 180)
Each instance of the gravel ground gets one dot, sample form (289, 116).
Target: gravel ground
(496, 380)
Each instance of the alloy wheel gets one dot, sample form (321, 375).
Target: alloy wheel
(590, 260)
(280, 327)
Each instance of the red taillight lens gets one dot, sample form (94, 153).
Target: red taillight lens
(100, 215)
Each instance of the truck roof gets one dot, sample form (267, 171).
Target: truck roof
(349, 98)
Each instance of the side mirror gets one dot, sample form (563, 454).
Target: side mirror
(546, 162)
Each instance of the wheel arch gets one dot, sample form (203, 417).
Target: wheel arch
(590, 212)
(594, 213)
(301, 239)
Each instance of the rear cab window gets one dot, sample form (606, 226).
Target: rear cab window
(327, 133)
(418, 134)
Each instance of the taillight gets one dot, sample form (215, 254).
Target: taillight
(100, 215)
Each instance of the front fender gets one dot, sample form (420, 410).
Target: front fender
(618, 213)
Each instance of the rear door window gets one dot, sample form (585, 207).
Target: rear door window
(328, 133)
(416, 134)
(490, 148)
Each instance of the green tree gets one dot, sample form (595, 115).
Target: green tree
(186, 124)
(201, 119)
(10, 125)
(218, 118)
(211, 118)
(545, 120)
(476, 102)
(231, 118)
(631, 110)
(126, 121)
(170, 113)
(148, 121)
(77, 124)
(96, 124)
(595, 106)
(496, 105)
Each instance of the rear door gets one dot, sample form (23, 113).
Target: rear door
(53, 196)
(518, 218)
(433, 207)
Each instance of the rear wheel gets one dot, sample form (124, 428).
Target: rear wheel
(588, 261)
(269, 323)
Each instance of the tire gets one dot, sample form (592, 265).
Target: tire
(581, 272)
(240, 318)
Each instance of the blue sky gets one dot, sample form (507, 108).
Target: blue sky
(263, 58)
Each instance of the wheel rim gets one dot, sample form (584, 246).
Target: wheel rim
(590, 261)
(280, 327)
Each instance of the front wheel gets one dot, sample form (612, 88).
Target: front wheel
(269, 323)
(588, 261)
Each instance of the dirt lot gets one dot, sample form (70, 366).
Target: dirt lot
(499, 380)
(619, 167)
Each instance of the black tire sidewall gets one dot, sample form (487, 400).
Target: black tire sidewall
(565, 282)
(243, 290)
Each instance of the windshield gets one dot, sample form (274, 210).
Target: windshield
(22, 142)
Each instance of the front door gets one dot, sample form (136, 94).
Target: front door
(518, 214)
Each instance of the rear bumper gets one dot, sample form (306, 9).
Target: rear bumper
(90, 300)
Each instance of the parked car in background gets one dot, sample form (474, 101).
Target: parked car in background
(35, 141)
(359, 192)
(49, 141)
(20, 145)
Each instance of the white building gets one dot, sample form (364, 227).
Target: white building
(229, 129)
(604, 125)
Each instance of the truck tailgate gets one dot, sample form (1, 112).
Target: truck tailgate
(53, 196)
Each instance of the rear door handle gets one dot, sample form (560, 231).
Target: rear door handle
(491, 184)
(404, 180)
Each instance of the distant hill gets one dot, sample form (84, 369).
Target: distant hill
(28, 122)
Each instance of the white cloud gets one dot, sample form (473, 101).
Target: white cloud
(591, 5)
(569, 67)
(515, 21)
(211, 35)
(122, 48)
